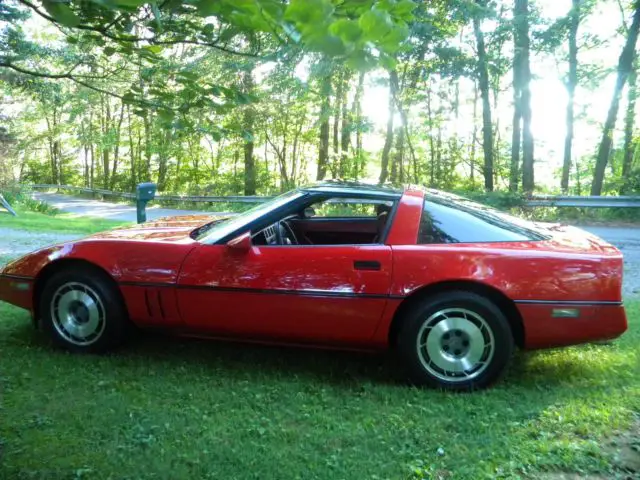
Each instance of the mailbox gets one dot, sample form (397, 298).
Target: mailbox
(144, 193)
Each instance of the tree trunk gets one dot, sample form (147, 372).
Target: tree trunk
(345, 132)
(396, 164)
(85, 151)
(572, 82)
(85, 172)
(521, 15)
(388, 142)
(132, 152)
(93, 166)
(474, 137)
(483, 81)
(53, 164)
(325, 113)
(439, 153)
(294, 153)
(359, 164)
(625, 65)
(236, 157)
(105, 122)
(516, 131)
(116, 148)
(147, 146)
(336, 126)
(432, 148)
(249, 120)
(629, 144)
(163, 158)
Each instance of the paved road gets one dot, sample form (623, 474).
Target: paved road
(96, 208)
(627, 239)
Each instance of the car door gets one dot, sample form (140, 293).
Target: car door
(324, 294)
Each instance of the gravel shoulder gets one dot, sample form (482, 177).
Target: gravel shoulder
(15, 242)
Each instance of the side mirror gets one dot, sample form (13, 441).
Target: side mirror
(309, 212)
(242, 243)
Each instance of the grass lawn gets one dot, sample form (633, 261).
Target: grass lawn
(167, 408)
(62, 222)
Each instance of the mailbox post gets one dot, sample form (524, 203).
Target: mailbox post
(144, 193)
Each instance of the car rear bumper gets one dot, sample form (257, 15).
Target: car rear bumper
(17, 290)
(557, 324)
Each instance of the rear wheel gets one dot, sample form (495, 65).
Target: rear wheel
(82, 311)
(457, 341)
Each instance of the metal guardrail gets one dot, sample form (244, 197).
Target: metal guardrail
(168, 198)
(534, 201)
(590, 202)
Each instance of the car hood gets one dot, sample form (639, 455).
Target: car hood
(166, 229)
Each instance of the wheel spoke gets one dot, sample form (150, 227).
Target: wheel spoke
(77, 313)
(455, 344)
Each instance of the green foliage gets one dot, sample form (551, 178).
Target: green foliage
(19, 198)
(159, 91)
(499, 200)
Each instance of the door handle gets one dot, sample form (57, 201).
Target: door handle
(366, 265)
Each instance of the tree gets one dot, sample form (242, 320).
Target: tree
(521, 45)
(388, 141)
(365, 31)
(625, 66)
(629, 119)
(325, 114)
(629, 143)
(248, 133)
(571, 83)
(483, 85)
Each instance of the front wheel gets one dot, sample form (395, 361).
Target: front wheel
(456, 340)
(82, 311)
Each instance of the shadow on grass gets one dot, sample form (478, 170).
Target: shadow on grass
(335, 367)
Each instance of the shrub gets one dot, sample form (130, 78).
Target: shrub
(20, 196)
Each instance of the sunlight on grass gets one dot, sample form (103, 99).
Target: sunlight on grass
(39, 222)
(213, 410)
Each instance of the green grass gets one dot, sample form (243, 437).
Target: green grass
(167, 408)
(40, 222)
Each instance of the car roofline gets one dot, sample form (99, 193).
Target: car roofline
(345, 189)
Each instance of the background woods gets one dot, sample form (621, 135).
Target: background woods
(256, 97)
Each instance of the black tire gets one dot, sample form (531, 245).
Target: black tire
(454, 328)
(83, 285)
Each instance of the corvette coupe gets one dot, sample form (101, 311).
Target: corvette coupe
(450, 286)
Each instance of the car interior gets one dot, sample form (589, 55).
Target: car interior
(335, 221)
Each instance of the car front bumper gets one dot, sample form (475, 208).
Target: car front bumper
(17, 290)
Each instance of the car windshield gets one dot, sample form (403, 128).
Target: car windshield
(220, 230)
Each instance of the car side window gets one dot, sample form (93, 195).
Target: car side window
(348, 207)
(453, 223)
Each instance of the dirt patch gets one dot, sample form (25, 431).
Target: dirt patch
(624, 451)
(569, 476)
(624, 448)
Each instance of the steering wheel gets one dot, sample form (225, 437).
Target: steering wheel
(285, 234)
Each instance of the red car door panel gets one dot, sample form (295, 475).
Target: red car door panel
(332, 294)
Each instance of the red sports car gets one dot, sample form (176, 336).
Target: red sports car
(449, 285)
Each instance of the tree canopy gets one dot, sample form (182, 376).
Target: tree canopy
(256, 96)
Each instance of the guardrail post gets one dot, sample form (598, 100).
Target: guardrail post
(6, 205)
